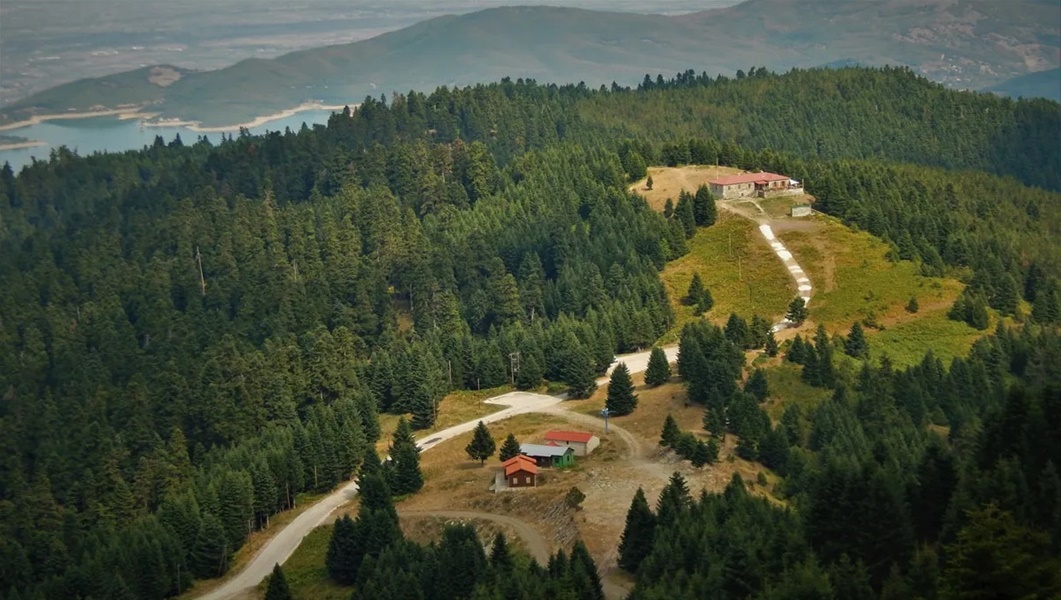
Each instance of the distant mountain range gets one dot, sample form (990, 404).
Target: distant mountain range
(974, 44)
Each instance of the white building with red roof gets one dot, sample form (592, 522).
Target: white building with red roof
(582, 443)
(747, 185)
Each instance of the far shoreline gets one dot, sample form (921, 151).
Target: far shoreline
(148, 119)
(23, 145)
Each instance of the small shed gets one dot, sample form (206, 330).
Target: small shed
(549, 455)
(520, 471)
(581, 442)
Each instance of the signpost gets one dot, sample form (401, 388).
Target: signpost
(604, 413)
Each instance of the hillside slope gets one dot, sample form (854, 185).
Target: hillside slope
(967, 44)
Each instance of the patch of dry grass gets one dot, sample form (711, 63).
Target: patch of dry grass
(457, 407)
(667, 182)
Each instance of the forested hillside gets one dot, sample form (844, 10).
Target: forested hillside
(192, 335)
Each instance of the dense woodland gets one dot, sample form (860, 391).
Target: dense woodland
(193, 334)
(939, 481)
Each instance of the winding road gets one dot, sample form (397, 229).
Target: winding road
(283, 544)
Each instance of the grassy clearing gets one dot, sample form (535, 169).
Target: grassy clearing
(667, 182)
(305, 571)
(853, 280)
(740, 269)
(787, 387)
(906, 343)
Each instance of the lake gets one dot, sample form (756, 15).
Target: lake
(110, 134)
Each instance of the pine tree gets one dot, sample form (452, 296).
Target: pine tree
(771, 344)
(715, 421)
(658, 371)
(704, 207)
(797, 311)
(509, 448)
(342, 548)
(684, 211)
(583, 578)
(405, 476)
(757, 385)
(482, 445)
(636, 541)
(649, 182)
(737, 331)
(670, 433)
(912, 306)
(500, 555)
(209, 557)
(706, 303)
(578, 373)
(668, 209)
(673, 500)
(621, 398)
(277, 589)
(696, 290)
(796, 351)
(856, 345)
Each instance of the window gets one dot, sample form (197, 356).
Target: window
(526, 480)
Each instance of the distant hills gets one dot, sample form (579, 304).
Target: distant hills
(1044, 84)
(975, 44)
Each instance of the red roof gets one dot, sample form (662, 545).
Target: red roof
(519, 463)
(569, 436)
(748, 178)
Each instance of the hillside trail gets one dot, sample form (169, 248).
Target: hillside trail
(284, 543)
(280, 547)
(803, 284)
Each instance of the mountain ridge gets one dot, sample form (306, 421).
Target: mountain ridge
(963, 43)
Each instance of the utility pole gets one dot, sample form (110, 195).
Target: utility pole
(514, 361)
(199, 259)
(604, 413)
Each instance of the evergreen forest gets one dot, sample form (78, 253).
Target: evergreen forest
(195, 334)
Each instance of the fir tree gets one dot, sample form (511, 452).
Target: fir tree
(704, 207)
(670, 433)
(636, 541)
(673, 500)
(509, 448)
(658, 370)
(500, 556)
(583, 578)
(715, 421)
(668, 209)
(702, 454)
(482, 445)
(796, 351)
(649, 182)
(343, 547)
(771, 344)
(621, 398)
(579, 375)
(277, 589)
(757, 385)
(684, 211)
(797, 311)
(912, 306)
(856, 345)
(696, 290)
(405, 476)
(706, 302)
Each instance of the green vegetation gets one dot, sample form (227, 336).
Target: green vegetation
(904, 344)
(190, 336)
(509, 449)
(788, 386)
(743, 275)
(305, 570)
(658, 370)
(621, 397)
(482, 445)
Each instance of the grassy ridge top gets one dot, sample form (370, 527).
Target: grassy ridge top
(956, 43)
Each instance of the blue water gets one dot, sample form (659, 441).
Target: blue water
(109, 134)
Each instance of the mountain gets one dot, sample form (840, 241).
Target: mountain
(1044, 84)
(962, 43)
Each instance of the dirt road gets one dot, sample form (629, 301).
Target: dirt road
(279, 548)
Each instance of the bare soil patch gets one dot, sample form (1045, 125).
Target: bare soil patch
(667, 182)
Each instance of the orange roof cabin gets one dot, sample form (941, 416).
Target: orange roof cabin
(747, 185)
(582, 443)
(520, 471)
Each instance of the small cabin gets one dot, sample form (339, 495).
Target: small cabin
(581, 442)
(520, 471)
(549, 455)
